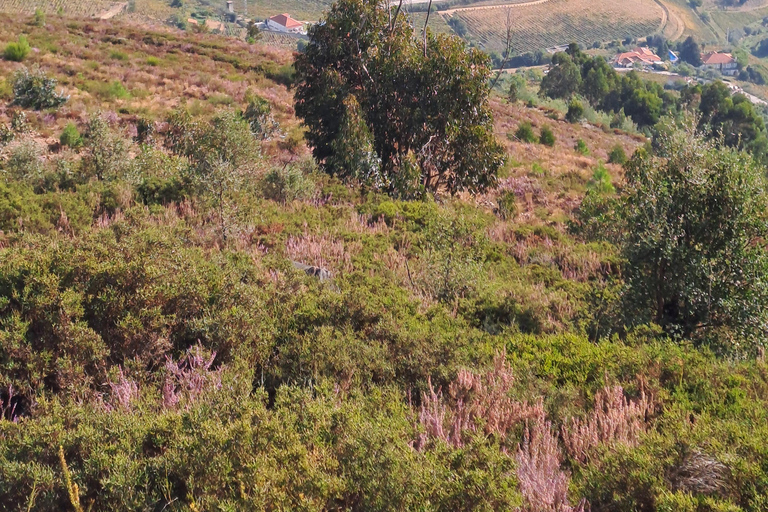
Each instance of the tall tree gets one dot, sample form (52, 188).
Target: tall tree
(563, 78)
(425, 105)
(694, 218)
(690, 52)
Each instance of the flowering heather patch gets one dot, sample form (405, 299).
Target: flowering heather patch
(474, 400)
(319, 251)
(615, 419)
(189, 378)
(543, 484)
(123, 391)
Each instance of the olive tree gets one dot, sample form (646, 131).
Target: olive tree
(695, 228)
(423, 102)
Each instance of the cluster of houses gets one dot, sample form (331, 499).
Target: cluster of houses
(644, 57)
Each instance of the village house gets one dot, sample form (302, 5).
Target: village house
(722, 62)
(284, 23)
(642, 56)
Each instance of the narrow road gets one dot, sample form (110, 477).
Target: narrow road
(450, 12)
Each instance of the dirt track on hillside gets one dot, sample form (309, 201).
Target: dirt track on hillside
(450, 12)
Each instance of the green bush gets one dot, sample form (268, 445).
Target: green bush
(601, 181)
(34, 89)
(575, 111)
(71, 137)
(524, 133)
(17, 51)
(617, 155)
(581, 147)
(287, 184)
(116, 91)
(39, 18)
(507, 205)
(547, 138)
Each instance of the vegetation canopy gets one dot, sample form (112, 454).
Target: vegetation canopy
(422, 104)
(695, 222)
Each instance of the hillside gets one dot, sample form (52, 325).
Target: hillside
(163, 345)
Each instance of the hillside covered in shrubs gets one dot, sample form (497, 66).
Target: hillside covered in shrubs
(196, 314)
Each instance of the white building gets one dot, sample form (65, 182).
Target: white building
(284, 23)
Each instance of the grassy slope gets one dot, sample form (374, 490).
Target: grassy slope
(160, 69)
(383, 330)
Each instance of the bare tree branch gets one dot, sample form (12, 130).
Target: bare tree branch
(397, 13)
(429, 8)
(508, 47)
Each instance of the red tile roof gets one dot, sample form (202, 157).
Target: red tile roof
(638, 55)
(285, 20)
(717, 58)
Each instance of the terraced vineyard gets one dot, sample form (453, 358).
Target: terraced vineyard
(562, 21)
(69, 7)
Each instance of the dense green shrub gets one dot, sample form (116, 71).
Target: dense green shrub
(17, 51)
(106, 151)
(524, 133)
(575, 111)
(287, 184)
(34, 89)
(601, 181)
(581, 147)
(683, 246)
(547, 137)
(617, 155)
(71, 137)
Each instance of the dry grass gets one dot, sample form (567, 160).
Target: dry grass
(322, 251)
(161, 68)
(549, 177)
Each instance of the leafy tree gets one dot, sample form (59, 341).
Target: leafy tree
(695, 217)
(575, 111)
(106, 151)
(690, 52)
(424, 101)
(224, 155)
(17, 51)
(761, 50)
(563, 79)
(34, 89)
(516, 84)
(39, 18)
(596, 85)
(258, 113)
(733, 117)
(353, 153)
(601, 182)
(254, 34)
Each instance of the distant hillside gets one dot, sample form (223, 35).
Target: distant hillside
(537, 24)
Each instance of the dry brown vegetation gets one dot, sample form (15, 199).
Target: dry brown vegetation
(158, 69)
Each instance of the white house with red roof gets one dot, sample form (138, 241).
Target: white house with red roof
(722, 62)
(641, 56)
(284, 23)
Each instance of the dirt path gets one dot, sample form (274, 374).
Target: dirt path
(450, 12)
(112, 11)
(670, 16)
